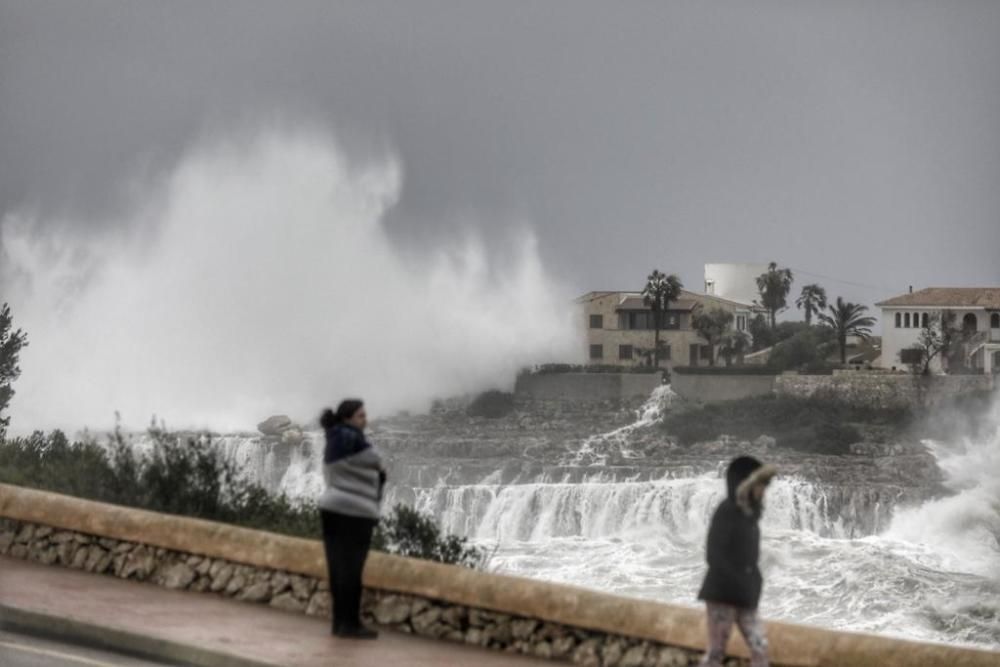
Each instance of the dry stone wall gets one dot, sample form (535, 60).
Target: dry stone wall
(297, 593)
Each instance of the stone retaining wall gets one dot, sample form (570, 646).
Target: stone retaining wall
(303, 594)
(586, 387)
(432, 599)
(882, 390)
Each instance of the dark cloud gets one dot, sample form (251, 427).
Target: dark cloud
(856, 140)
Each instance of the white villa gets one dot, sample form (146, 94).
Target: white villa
(977, 312)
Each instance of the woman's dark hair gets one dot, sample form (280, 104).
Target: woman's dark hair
(345, 411)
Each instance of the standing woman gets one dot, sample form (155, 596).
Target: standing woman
(349, 508)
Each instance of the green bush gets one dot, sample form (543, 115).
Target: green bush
(188, 476)
(807, 348)
(820, 423)
(491, 404)
(407, 532)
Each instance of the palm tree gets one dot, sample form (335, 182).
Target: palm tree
(812, 300)
(774, 286)
(847, 319)
(659, 291)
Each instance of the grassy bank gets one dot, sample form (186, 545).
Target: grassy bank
(818, 425)
(827, 425)
(188, 476)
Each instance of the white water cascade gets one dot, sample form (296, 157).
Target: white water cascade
(842, 555)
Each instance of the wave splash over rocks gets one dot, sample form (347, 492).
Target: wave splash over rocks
(874, 544)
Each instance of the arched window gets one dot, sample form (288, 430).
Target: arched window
(899, 320)
(995, 321)
(923, 320)
(970, 322)
(906, 321)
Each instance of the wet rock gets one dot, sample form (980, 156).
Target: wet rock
(177, 576)
(523, 629)
(291, 437)
(319, 604)
(391, 609)
(453, 616)
(222, 577)
(288, 602)
(423, 621)
(634, 657)
(672, 657)
(302, 587)
(140, 563)
(259, 592)
(6, 539)
(280, 582)
(587, 654)
(275, 425)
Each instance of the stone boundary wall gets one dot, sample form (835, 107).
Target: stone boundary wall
(712, 388)
(586, 387)
(881, 390)
(431, 599)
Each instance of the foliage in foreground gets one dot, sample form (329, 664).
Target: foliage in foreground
(12, 341)
(189, 476)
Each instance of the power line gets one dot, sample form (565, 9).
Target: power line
(891, 290)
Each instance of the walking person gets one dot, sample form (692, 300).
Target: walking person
(732, 587)
(349, 509)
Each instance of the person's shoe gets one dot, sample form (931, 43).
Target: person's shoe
(359, 632)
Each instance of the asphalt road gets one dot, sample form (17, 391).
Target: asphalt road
(17, 650)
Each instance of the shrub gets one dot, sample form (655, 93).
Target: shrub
(820, 424)
(407, 532)
(806, 348)
(188, 476)
(491, 404)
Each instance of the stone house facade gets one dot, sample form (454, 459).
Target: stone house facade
(620, 329)
(977, 314)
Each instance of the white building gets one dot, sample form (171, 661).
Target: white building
(977, 313)
(734, 281)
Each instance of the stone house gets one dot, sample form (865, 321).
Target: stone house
(620, 330)
(977, 313)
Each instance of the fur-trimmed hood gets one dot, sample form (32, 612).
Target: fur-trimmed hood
(742, 474)
(761, 475)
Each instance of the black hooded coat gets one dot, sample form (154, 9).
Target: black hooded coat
(734, 539)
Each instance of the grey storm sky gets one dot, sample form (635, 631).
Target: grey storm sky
(857, 140)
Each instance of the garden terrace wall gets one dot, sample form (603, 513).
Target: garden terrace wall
(586, 387)
(431, 599)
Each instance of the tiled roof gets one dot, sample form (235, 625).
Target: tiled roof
(637, 303)
(970, 297)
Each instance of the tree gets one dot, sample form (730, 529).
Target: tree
(712, 326)
(847, 319)
(659, 291)
(734, 344)
(812, 300)
(12, 341)
(774, 286)
(937, 337)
